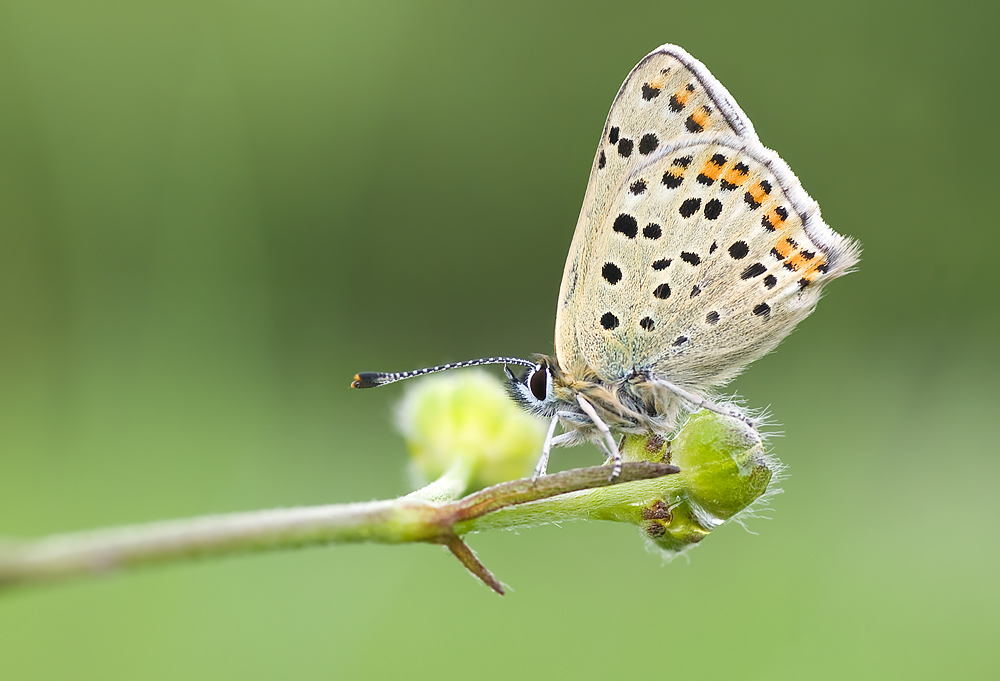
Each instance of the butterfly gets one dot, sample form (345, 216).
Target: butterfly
(696, 251)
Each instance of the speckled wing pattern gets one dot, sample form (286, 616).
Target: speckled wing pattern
(710, 254)
(697, 250)
(667, 95)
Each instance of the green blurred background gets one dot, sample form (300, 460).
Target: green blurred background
(213, 213)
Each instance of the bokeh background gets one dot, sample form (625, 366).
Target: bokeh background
(213, 213)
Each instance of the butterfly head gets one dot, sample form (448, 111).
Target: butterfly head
(535, 389)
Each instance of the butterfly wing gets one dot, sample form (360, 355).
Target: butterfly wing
(709, 254)
(669, 94)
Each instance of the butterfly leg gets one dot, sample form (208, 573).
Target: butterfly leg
(543, 462)
(702, 402)
(614, 456)
(609, 444)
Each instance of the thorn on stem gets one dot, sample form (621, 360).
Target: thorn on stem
(465, 555)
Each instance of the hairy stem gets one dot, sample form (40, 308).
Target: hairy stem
(407, 519)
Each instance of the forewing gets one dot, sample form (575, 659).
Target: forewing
(668, 95)
(710, 254)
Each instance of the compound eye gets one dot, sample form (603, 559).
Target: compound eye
(538, 382)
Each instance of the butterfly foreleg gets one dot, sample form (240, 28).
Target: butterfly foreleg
(543, 461)
(702, 402)
(608, 443)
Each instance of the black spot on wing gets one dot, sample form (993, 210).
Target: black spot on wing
(626, 224)
(611, 273)
(648, 144)
(672, 181)
(689, 207)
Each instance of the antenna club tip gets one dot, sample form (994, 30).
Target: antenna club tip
(365, 380)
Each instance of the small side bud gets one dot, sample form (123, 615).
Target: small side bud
(467, 418)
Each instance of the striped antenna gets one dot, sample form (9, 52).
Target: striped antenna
(372, 379)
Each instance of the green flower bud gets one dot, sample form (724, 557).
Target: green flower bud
(723, 471)
(465, 421)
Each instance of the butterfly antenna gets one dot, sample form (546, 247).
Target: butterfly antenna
(373, 379)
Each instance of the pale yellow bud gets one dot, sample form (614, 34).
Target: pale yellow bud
(467, 418)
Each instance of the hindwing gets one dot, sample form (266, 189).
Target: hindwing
(709, 254)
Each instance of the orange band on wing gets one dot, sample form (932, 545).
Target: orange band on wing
(712, 169)
(783, 248)
(734, 177)
(775, 218)
(758, 193)
(679, 99)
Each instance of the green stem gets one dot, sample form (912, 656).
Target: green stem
(451, 484)
(407, 519)
(720, 470)
(101, 551)
(620, 503)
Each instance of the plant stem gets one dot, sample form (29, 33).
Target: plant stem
(406, 519)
